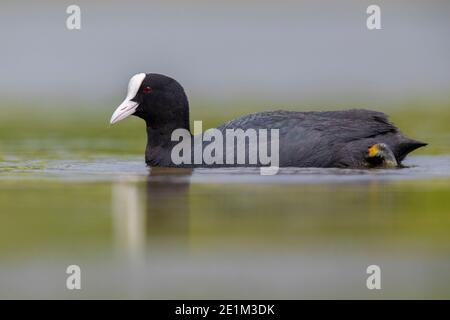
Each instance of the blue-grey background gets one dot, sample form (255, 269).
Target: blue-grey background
(301, 50)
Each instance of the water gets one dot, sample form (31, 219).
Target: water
(222, 233)
(112, 169)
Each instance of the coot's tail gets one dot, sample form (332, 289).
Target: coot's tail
(406, 146)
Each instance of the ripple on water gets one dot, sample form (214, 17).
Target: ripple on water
(113, 169)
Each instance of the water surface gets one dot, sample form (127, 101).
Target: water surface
(222, 233)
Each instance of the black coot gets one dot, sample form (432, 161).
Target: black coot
(345, 139)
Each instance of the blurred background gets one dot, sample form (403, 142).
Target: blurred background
(232, 57)
(61, 164)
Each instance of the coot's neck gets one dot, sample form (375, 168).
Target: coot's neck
(159, 134)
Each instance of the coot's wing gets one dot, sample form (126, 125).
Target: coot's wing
(355, 124)
(347, 124)
(312, 139)
(365, 127)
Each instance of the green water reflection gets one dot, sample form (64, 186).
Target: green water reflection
(115, 223)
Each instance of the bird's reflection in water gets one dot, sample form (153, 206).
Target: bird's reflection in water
(167, 203)
(156, 210)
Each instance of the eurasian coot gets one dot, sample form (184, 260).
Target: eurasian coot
(354, 138)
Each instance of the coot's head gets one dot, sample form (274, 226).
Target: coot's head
(158, 99)
(381, 156)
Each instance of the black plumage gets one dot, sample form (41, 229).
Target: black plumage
(306, 139)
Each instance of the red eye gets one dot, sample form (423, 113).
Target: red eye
(147, 90)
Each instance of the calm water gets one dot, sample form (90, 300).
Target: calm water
(224, 233)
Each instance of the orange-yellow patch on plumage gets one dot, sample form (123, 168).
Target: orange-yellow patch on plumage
(373, 150)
